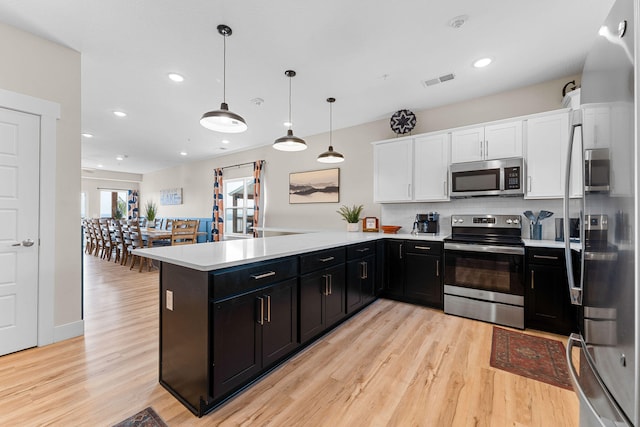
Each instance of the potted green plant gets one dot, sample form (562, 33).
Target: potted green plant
(351, 215)
(151, 210)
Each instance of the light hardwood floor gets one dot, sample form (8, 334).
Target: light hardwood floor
(393, 364)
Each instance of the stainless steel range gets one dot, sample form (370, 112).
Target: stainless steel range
(484, 269)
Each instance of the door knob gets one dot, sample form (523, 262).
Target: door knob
(27, 243)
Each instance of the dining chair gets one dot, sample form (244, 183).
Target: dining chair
(107, 239)
(98, 247)
(126, 242)
(118, 239)
(184, 232)
(88, 242)
(137, 243)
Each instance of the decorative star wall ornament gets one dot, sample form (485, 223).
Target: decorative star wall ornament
(402, 121)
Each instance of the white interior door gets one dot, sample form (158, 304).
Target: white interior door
(19, 195)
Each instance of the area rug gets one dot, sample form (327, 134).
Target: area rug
(533, 357)
(145, 418)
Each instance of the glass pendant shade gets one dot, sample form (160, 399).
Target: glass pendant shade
(289, 142)
(223, 120)
(330, 156)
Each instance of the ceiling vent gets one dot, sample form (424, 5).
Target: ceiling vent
(437, 80)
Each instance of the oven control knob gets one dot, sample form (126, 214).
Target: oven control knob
(509, 221)
(460, 220)
(516, 221)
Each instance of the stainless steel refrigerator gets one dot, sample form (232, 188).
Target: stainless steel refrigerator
(603, 274)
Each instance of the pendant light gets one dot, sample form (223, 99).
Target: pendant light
(290, 142)
(223, 120)
(330, 156)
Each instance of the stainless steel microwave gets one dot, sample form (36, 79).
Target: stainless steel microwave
(502, 177)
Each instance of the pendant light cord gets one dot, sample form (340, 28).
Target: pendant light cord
(331, 124)
(290, 122)
(224, 69)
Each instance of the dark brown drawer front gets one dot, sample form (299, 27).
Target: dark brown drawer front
(361, 250)
(424, 247)
(545, 256)
(321, 259)
(239, 280)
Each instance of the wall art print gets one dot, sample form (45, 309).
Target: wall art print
(171, 196)
(318, 186)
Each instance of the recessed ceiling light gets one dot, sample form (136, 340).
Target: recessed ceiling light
(183, 153)
(120, 158)
(225, 141)
(87, 135)
(120, 113)
(100, 166)
(482, 62)
(176, 77)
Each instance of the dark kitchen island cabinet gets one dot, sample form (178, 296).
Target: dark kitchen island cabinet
(322, 291)
(547, 304)
(361, 275)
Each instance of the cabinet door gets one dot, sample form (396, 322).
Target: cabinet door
(503, 140)
(393, 171)
(431, 164)
(236, 342)
(360, 282)
(312, 291)
(334, 307)
(547, 142)
(423, 280)
(280, 322)
(394, 267)
(467, 145)
(547, 305)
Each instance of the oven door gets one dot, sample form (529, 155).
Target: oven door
(490, 268)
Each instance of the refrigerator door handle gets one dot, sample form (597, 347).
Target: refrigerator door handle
(575, 339)
(575, 292)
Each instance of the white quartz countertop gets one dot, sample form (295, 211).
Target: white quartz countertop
(230, 253)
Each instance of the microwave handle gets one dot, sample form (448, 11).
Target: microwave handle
(575, 292)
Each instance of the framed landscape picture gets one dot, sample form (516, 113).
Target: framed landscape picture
(319, 186)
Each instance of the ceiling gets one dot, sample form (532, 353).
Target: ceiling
(371, 55)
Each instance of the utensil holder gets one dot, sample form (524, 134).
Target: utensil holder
(535, 231)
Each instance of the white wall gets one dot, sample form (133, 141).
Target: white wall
(355, 172)
(94, 182)
(45, 70)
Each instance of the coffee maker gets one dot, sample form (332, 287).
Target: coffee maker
(426, 223)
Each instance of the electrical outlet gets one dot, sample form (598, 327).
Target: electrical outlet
(169, 300)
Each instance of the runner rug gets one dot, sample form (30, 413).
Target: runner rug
(533, 357)
(145, 418)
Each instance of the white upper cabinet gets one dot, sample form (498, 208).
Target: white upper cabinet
(546, 144)
(430, 172)
(393, 171)
(495, 141)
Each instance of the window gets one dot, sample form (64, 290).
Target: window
(113, 204)
(238, 206)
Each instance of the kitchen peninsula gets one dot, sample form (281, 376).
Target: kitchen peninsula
(231, 311)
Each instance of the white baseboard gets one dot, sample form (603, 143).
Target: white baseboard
(69, 330)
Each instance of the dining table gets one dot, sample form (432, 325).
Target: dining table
(154, 234)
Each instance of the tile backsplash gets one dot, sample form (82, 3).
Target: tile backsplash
(404, 213)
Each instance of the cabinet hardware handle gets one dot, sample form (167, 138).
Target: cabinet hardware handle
(481, 143)
(437, 268)
(263, 275)
(330, 284)
(362, 250)
(365, 267)
(426, 248)
(326, 284)
(529, 183)
(327, 259)
(261, 317)
(546, 257)
(532, 280)
(408, 190)
(401, 250)
(486, 149)
(445, 187)
(268, 308)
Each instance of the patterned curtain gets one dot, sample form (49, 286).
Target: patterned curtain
(132, 204)
(257, 177)
(217, 225)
